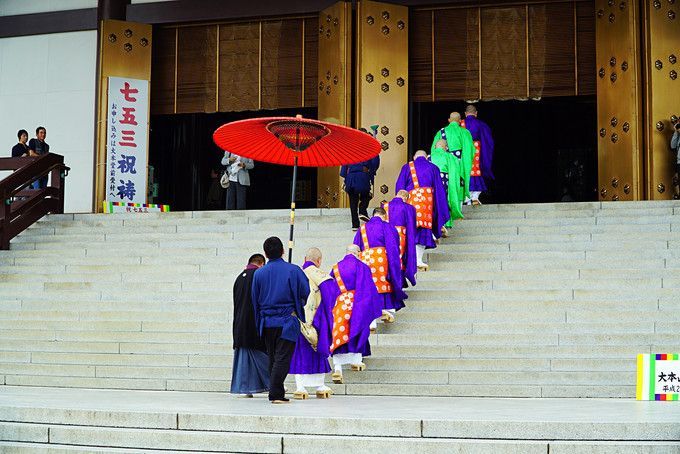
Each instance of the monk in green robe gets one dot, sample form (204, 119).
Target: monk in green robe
(452, 151)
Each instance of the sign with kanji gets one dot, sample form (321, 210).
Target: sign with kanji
(658, 376)
(127, 137)
(120, 207)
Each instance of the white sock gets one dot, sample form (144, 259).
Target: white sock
(337, 367)
(374, 324)
(299, 383)
(474, 195)
(420, 252)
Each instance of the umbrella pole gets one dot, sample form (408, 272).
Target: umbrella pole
(292, 212)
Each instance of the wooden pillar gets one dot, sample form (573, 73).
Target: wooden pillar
(619, 101)
(124, 51)
(381, 96)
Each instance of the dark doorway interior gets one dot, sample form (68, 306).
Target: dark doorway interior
(545, 151)
(183, 154)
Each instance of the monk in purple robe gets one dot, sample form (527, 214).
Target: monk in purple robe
(309, 363)
(379, 244)
(483, 159)
(355, 305)
(402, 216)
(423, 182)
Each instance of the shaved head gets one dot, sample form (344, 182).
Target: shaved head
(403, 194)
(313, 254)
(441, 143)
(454, 117)
(420, 154)
(471, 110)
(353, 249)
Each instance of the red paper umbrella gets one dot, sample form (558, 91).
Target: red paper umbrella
(296, 142)
(279, 140)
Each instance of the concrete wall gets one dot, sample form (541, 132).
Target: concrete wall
(15, 7)
(49, 80)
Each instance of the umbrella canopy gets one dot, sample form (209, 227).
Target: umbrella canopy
(279, 140)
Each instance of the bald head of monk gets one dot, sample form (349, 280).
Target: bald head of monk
(380, 212)
(314, 255)
(420, 154)
(454, 117)
(403, 195)
(353, 249)
(471, 110)
(441, 143)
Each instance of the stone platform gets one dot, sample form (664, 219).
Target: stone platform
(55, 419)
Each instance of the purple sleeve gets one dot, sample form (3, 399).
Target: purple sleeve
(403, 179)
(343, 171)
(358, 241)
(441, 213)
(410, 253)
(367, 304)
(486, 157)
(394, 265)
(323, 319)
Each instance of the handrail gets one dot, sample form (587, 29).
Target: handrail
(20, 207)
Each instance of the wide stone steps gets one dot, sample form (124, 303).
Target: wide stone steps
(62, 420)
(526, 300)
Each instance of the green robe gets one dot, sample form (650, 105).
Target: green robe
(457, 138)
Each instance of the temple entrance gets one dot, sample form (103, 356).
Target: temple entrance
(545, 151)
(186, 162)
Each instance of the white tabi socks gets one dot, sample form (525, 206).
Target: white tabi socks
(420, 252)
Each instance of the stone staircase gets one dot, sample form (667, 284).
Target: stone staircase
(551, 300)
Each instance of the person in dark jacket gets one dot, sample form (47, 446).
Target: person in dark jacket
(21, 149)
(358, 181)
(250, 372)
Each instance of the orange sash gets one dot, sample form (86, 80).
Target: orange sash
(421, 199)
(342, 312)
(376, 259)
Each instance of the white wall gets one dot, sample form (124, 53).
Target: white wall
(15, 7)
(49, 80)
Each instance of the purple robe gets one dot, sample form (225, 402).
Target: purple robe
(382, 234)
(367, 307)
(482, 132)
(305, 360)
(401, 214)
(428, 176)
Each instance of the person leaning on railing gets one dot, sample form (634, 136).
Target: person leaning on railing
(38, 147)
(21, 150)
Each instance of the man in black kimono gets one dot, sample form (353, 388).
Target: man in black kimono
(250, 373)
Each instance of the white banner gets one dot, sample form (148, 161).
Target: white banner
(127, 140)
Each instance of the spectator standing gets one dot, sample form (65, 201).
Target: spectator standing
(38, 147)
(239, 179)
(280, 291)
(21, 150)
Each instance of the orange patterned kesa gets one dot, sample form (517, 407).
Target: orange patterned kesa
(422, 201)
(342, 312)
(376, 259)
(476, 170)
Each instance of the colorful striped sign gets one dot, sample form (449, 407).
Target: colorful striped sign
(658, 376)
(121, 207)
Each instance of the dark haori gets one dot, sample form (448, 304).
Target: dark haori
(250, 371)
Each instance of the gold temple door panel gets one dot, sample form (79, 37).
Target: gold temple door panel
(382, 85)
(619, 96)
(662, 106)
(334, 89)
(124, 51)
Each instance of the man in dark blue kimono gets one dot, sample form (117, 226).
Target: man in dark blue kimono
(280, 291)
(481, 171)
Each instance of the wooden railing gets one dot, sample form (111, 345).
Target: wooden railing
(21, 206)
